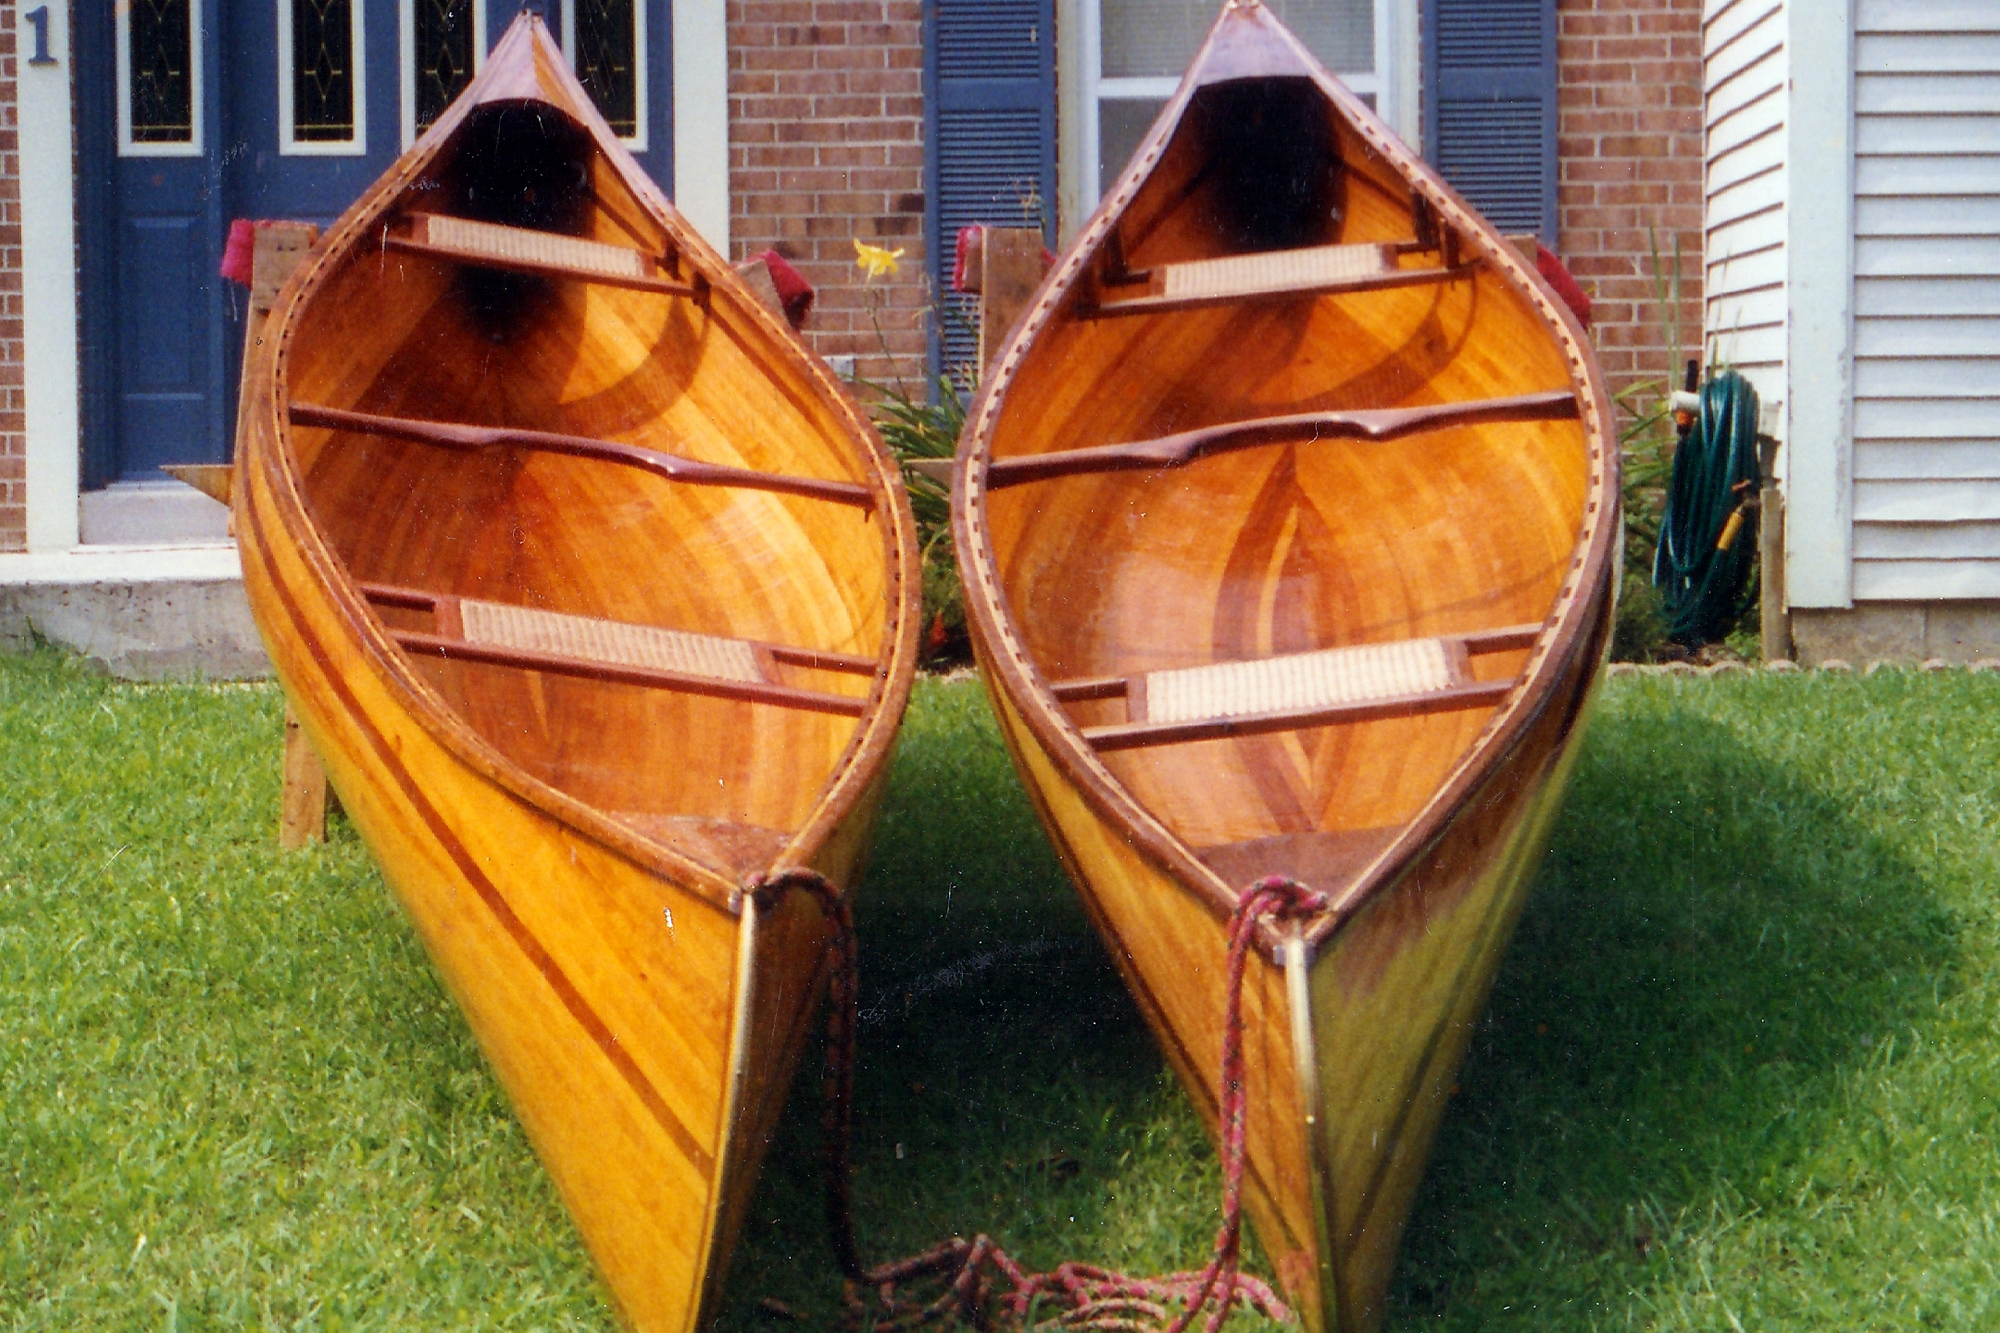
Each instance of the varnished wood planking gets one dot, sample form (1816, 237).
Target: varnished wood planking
(1287, 547)
(1398, 990)
(465, 858)
(1149, 942)
(570, 851)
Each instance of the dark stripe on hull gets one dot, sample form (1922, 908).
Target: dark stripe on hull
(572, 1000)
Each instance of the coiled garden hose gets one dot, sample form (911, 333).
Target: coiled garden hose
(1708, 536)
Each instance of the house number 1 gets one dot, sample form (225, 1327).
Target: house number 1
(38, 19)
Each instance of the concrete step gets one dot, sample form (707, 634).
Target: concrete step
(150, 513)
(139, 612)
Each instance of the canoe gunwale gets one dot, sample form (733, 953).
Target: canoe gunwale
(882, 707)
(1564, 634)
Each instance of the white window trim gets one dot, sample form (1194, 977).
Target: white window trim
(355, 144)
(637, 141)
(406, 58)
(126, 147)
(1393, 83)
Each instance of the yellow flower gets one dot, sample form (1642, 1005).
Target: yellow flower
(876, 260)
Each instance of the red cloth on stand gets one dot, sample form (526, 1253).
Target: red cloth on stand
(794, 292)
(961, 256)
(238, 254)
(1557, 276)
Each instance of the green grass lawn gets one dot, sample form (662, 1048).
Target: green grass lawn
(1738, 1072)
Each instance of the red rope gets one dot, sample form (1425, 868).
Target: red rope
(837, 1113)
(1098, 1299)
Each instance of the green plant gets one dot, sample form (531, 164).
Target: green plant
(1646, 444)
(916, 430)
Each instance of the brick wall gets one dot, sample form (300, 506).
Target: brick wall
(1631, 144)
(826, 146)
(13, 404)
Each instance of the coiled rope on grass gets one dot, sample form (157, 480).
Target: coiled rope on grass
(1098, 1299)
(1708, 535)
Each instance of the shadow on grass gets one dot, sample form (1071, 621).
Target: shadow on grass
(1713, 946)
(1006, 1082)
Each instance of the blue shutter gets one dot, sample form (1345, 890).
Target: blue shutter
(1490, 107)
(990, 131)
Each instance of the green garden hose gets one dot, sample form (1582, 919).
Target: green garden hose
(1708, 536)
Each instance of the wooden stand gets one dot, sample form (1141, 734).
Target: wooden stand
(1773, 615)
(303, 804)
(1003, 267)
(302, 808)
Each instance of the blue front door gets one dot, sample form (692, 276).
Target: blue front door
(223, 109)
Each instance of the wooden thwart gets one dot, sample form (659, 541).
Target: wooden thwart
(1297, 690)
(1178, 450)
(467, 629)
(543, 253)
(451, 435)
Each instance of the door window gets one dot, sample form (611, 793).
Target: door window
(443, 41)
(1137, 50)
(604, 40)
(159, 78)
(322, 98)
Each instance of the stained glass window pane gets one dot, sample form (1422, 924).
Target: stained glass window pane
(443, 55)
(162, 65)
(606, 61)
(322, 71)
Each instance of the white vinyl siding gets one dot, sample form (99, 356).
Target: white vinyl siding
(1745, 93)
(1926, 299)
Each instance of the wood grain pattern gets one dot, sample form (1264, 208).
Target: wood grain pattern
(1184, 447)
(687, 470)
(570, 844)
(1247, 477)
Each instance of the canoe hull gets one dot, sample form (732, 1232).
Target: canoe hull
(1350, 1050)
(559, 952)
(1288, 516)
(640, 470)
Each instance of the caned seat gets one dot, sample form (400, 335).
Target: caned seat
(527, 250)
(614, 642)
(1329, 677)
(1315, 270)
(1295, 690)
(1277, 271)
(504, 634)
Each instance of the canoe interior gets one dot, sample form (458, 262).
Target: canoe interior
(401, 333)
(1286, 547)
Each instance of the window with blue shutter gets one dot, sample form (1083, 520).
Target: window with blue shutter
(1490, 107)
(991, 135)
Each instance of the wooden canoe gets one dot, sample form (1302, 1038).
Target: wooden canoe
(598, 598)
(1287, 518)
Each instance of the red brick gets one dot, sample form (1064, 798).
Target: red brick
(1629, 132)
(850, 163)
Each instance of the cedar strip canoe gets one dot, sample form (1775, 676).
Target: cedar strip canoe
(597, 597)
(1288, 518)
